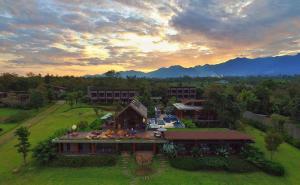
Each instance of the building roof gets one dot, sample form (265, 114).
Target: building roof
(182, 87)
(207, 135)
(94, 88)
(138, 107)
(112, 137)
(106, 116)
(181, 106)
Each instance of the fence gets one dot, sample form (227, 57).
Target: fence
(292, 130)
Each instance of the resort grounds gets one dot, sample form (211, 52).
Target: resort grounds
(46, 121)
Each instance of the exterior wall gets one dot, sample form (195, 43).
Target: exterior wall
(104, 148)
(235, 146)
(182, 92)
(130, 119)
(110, 96)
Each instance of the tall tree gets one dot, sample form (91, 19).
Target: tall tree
(273, 140)
(23, 145)
(224, 104)
(36, 99)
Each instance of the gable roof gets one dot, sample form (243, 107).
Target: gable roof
(137, 106)
(207, 135)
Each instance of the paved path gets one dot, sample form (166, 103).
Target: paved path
(31, 122)
(162, 163)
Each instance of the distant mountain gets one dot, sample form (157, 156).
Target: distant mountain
(267, 66)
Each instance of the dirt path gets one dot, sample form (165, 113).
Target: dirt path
(31, 122)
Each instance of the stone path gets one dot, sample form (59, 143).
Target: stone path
(125, 160)
(163, 161)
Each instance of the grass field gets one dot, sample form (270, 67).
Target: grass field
(6, 112)
(60, 118)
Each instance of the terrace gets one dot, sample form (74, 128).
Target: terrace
(110, 136)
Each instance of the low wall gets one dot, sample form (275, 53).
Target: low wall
(292, 129)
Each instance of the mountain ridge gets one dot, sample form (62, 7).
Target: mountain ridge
(262, 66)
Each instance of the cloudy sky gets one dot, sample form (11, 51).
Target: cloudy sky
(77, 37)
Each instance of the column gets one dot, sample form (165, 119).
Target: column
(154, 148)
(133, 147)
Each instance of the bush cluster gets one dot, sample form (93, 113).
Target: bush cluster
(256, 157)
(232, 164)
(203, 163)
(45, 151)
(81, 161)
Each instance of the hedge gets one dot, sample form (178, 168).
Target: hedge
(256, 157)
(82, 161)
(232, 164)
(193, 164)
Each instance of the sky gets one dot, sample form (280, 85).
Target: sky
(78, 37)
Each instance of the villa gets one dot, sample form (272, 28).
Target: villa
(128, 133)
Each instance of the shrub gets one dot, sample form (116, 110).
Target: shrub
(195, 151)
(45, 152)
(170, 150)
(256, 157)
(81, 161)
(222, 151)
(240, 165)
(271, 167)
(193, 164)
(189, 123)
(82, 125)
(95, 125)
(1, 129)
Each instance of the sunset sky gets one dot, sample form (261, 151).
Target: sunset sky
(78, 37)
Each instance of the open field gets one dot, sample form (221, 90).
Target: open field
(7, 112)
(61, 117)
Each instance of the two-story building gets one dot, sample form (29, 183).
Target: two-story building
(100, 95)
(182, 92)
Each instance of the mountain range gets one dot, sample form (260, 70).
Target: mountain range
(266, 66)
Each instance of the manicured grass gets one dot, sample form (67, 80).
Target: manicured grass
(6, 112)
(60, 118)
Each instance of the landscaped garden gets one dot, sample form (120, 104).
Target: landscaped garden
(163, 172)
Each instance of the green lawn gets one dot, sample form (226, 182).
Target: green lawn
(63, 117)
(6, 112)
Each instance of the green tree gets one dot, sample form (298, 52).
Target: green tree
(263, 95)
(224, 104)
(36, 99)
(248, 100)
(295, 108)
(70, 98)
(96, 110)
(278, 122)
(23, 145)
(189, 123)
(273, 140)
